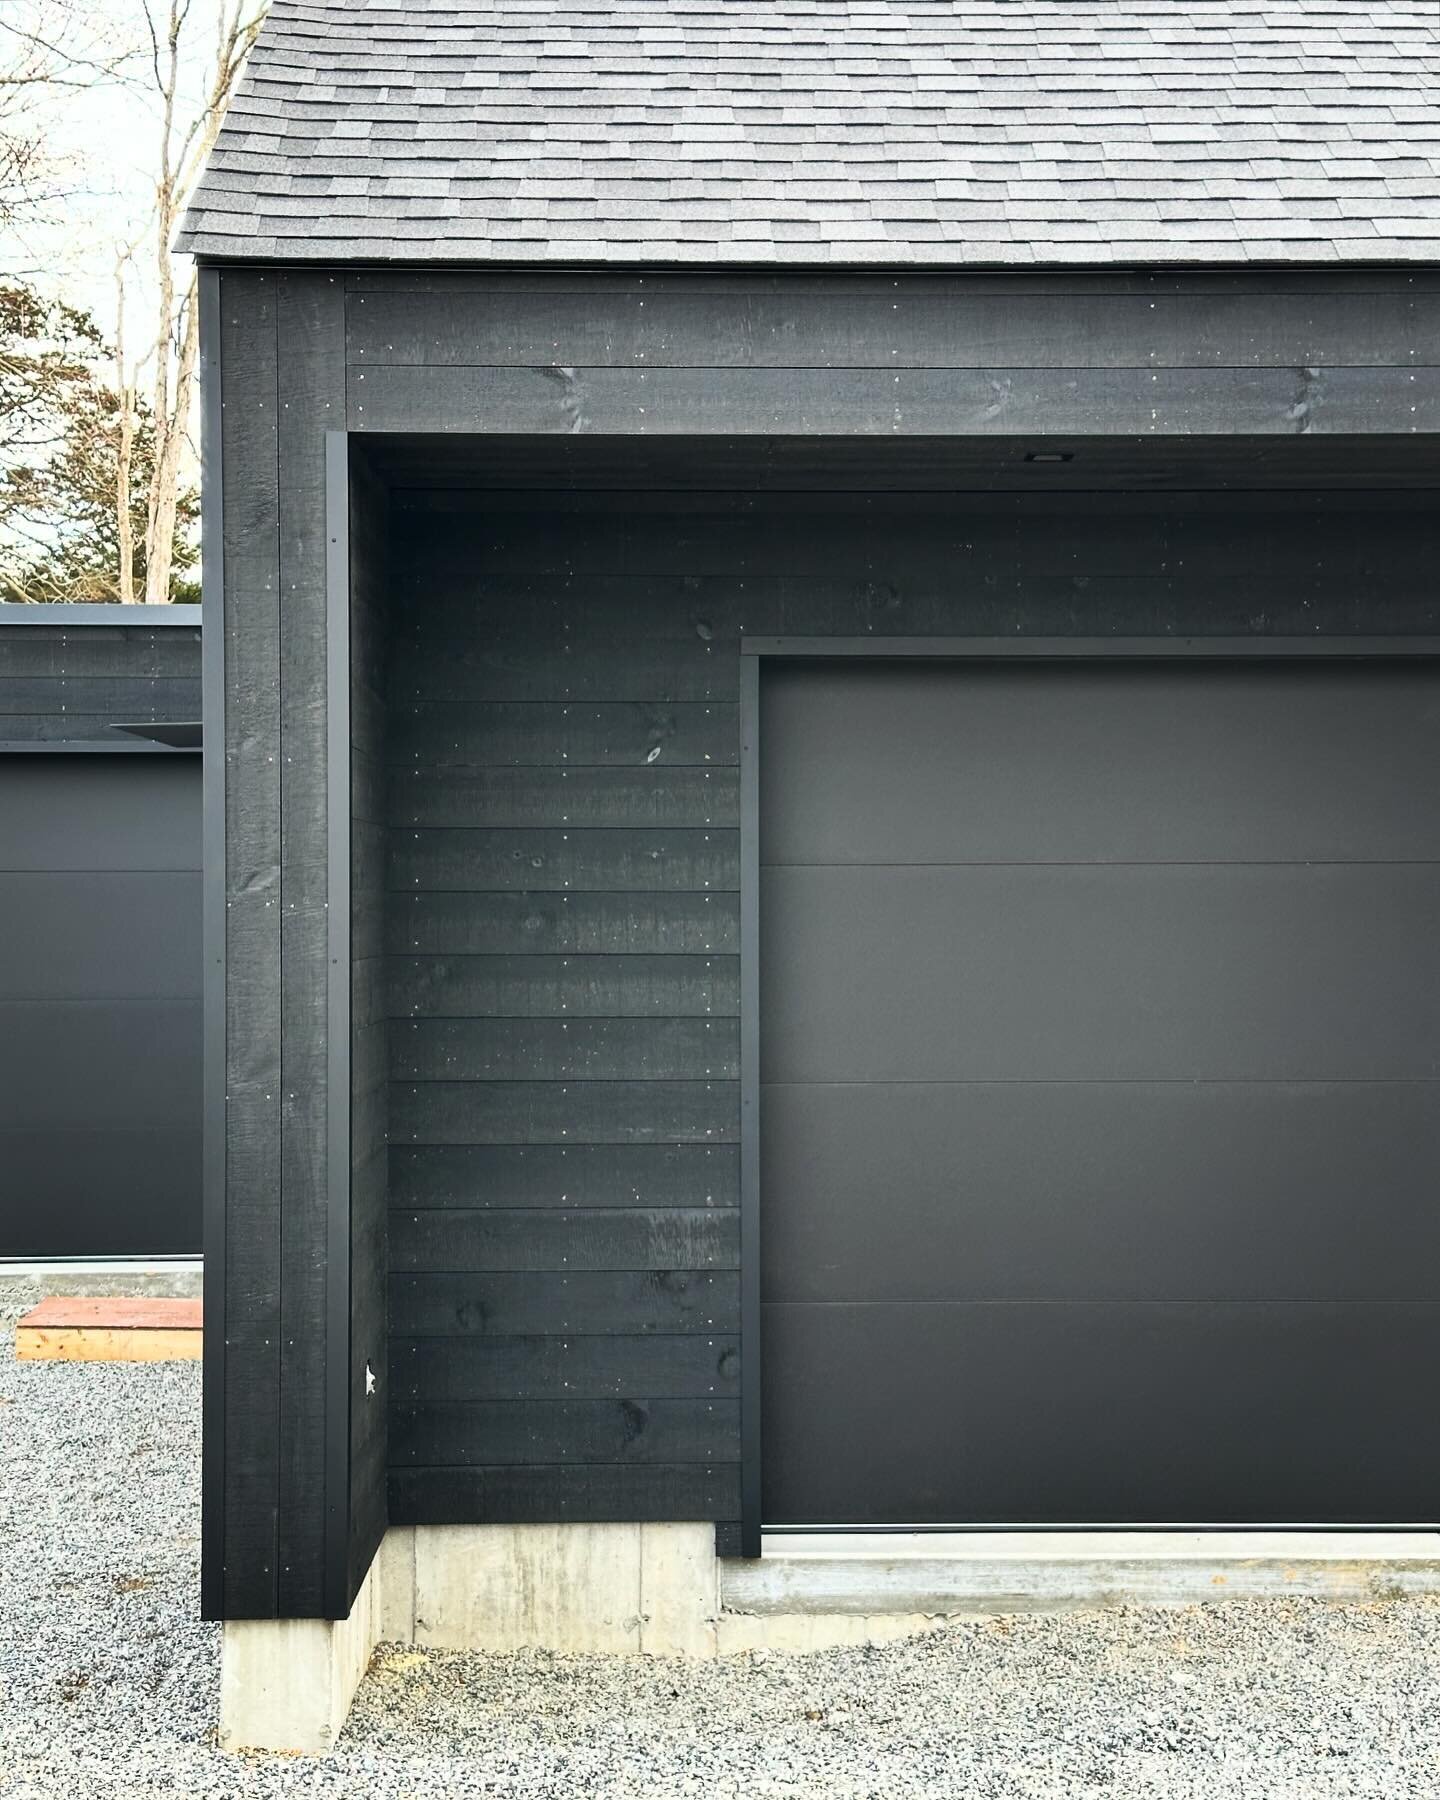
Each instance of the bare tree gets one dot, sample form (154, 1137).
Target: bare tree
(49, 51)
(104, 418)
(168, 355)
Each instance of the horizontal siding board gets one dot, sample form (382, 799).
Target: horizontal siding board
(900, 327)
(516, 1303)
(685, 1367)
(628, 734)
(72, 727)
(440, 1240)
(552, 1112)
(522, 797)
(563, 986)
(491, 469)
(564, 1493)
(562, 924)
(615, 860)
(564, 1049)
(87, 653)
(501, 1433)
(549, 1175)
(885, 402)
(804, 285)
(675, 547)
(111, 696)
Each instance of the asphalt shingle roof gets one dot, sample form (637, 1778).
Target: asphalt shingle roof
(914, 132)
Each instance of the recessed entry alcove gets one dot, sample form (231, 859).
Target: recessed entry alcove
(889, 978)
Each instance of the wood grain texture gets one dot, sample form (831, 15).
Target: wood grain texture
(548, 923)
(885, 402)
(104, 1343)
(960, 325)
(515, 1175)
(311, 377)
(690, 1367)
(580, 1238)
(531, 1302)
(443, 860)
(651, 795)
(253, 1252)
(369, 545)
(561, 1112)
(113, 1312)
(65, 686)
(564, 1492)
(542, 987)
(525, 1433)
(590, 1049)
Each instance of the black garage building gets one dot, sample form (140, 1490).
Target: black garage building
(826, 863)
(100, 981)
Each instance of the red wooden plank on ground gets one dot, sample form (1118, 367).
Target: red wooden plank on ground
(105, 1312)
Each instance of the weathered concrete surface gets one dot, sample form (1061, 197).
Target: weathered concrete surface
(659, 1590)
(988, 1573)
(614, 1589)
(287, 1684)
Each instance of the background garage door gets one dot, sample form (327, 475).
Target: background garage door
(1101, 1127)
(100, 1031)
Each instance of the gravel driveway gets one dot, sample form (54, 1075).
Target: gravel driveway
(108, 1679)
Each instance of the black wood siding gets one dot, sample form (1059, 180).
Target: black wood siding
(562, 921)
(281, 383)
(69, 683)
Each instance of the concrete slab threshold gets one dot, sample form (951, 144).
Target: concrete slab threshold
(958, 1573)
(659, 1590)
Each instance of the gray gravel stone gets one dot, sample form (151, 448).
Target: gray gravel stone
(108, 1679)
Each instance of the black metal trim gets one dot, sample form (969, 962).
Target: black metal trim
(916, 649)
(1097, 649)
(106, 612)
(996, 1527)
(93, 747)
(212, 512)
(336, 1575)
(173, 734)
(750, 1348)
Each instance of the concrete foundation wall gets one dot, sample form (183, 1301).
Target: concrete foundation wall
(287, 1684)
(659, 1590)
(647, 1589)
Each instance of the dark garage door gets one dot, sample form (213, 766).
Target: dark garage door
(99, 1005)
(1100, 1117)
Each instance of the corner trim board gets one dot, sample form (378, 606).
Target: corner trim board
(750, 1351)
(335, 1576)
(212, 651)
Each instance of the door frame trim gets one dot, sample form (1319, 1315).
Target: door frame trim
(920, 649)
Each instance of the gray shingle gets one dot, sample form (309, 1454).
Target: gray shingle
(992, 132)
